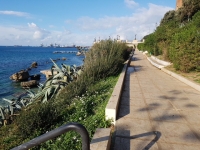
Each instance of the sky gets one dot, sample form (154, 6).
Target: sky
(79, 22)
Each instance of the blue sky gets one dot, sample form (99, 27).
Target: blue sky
(68, 22)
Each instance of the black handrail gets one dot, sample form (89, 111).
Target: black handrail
(56, 132)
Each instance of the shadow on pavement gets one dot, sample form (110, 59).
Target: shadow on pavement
(122, 142)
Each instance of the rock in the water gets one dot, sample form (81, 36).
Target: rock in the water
(34, 65)
(35, 77)
(20, 76)
(63, 58)
(28, 69)
(31, 83)
(78, 53)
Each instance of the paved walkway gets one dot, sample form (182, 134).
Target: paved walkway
(157, 111)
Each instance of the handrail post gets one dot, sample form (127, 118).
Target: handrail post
(56, 132)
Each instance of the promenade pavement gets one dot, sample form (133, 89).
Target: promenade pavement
(156, 111)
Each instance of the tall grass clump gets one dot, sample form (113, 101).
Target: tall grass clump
(104, 59)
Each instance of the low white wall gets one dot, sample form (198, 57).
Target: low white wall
(113, 103)
(164, 63)
(154, 64)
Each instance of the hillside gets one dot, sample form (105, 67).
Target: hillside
(177, 38)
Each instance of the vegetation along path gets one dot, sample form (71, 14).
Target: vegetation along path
(157, 111)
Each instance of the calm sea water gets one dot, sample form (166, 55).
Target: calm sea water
(14, 59)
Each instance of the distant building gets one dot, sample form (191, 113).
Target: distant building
(179, 3)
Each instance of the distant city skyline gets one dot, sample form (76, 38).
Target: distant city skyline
(78, 22)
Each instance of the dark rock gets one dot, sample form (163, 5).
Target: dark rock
(20, 76)
(63, 58)
(34, 65)
(31, 83)
(35, 77)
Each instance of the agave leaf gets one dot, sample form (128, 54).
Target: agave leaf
(51, 92)
(73, 69)
(22, 102)
(11, 109)
(64, 79)
(40, 86)
(79, 72)
(13, 103)
(48, 92)
(56, 89)
(7, 100)
(2, 113)
(30, 93)
(67, 67)
(39, 94)
(59, 75)
(47, 82)
(56, 66)
(18, 106)
(55, 81)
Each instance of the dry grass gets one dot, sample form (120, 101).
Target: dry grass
(193, 76)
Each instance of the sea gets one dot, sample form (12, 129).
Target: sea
(16, 58)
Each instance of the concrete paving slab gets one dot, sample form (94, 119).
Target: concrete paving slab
(132, 112)
(196, 129)
(172, 146)
(155, 102)
(133, 144)
(175, 133)
(186, 105)
(192, 117)
(137, 102)
(167, 115)
(135, 129)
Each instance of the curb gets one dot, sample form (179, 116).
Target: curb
(111, 109)
(179, 77)
(155, 64)
(182, 79)
(102, 137)
(162, 62)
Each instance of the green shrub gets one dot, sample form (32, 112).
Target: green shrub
(40, 118)
(104, 59)
(178, 37)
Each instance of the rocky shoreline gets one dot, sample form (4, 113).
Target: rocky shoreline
(26, 80)
(59, 78)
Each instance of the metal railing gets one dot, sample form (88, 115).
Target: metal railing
(56, 132)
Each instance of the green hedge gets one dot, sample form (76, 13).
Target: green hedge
(178, 37)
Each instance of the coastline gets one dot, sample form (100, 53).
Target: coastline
(15, 59)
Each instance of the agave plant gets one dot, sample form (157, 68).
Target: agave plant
(60, 78)
(8, 111)
(57, 81)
